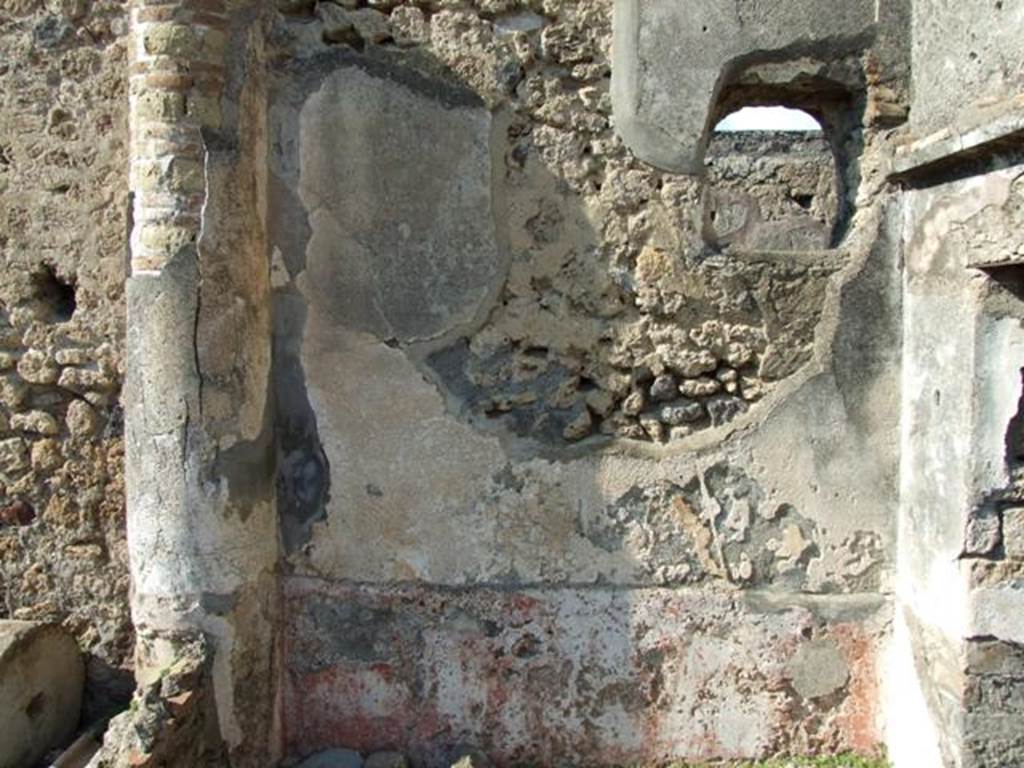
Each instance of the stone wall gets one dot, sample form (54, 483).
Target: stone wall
(552, 465)
(63, 240)
(771, 191)
(462, 409)
(966, 58)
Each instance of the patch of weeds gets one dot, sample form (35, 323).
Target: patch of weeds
(834, 761)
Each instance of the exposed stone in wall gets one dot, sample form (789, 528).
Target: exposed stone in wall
(993, 702)
(63, 230)
(608, 318)
(510, 364)
(771, 191)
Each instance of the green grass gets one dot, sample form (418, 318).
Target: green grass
(840, 761)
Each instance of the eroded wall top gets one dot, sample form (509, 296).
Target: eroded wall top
(672, 62)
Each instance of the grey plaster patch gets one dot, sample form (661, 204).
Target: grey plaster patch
(303, 471)
(866, 351)
(347, 631)
(398, 189)
(333, 758)
(817, 669)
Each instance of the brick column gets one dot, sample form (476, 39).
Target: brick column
(177, 75)
(202, 543)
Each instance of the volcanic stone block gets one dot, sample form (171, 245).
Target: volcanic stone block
(41, 680)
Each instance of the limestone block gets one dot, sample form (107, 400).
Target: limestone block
(186, 41)
(409, 26)
(1013, 532)
(41, 680)
(170, 174)
(159, 105)
(164, 239)
(366, 23)
(36, 367)
(13, 455)
(171, 40)
(73, 356)
(81, 419)
(982, 535)
(205, 109)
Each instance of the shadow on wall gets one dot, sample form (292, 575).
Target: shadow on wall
(478, 295)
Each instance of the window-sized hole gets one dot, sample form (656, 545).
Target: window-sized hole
(54, 296)
(771, 182)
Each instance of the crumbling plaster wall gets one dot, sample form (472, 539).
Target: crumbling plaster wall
(959, 580)
(63, 229)
(538, 439)
(970, 51)
(958, 584)
(531, 495)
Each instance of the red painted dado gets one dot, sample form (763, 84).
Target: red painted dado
(585, 676)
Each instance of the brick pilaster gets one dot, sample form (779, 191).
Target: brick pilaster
(176, 83)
